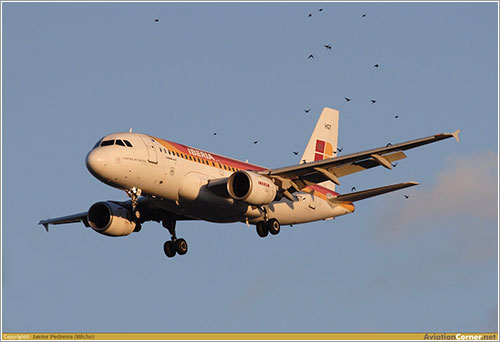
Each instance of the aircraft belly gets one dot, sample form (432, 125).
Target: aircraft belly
(207, 207)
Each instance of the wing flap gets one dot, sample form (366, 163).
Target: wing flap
(360, 195)
(347, 169)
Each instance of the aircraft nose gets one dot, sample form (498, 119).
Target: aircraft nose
(97, 162)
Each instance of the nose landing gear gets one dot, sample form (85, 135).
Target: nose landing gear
(134, 195)
(174, 245)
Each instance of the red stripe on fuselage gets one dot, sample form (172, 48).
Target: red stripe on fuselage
(188, 150)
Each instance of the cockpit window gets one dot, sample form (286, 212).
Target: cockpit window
(113, 142)
(98, 143)
(107, 142)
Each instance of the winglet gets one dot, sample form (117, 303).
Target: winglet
(45, 224)
(455, 135)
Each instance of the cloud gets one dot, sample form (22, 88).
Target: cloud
(468, 186)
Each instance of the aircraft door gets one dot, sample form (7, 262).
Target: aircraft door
(151, 148)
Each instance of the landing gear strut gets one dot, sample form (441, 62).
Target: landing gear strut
(265, 227)
(174, 245)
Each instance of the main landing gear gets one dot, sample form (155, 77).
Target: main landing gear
(174, 245)
(265, 227)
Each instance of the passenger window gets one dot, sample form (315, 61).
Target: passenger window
(119, 142)
(107, 142)
(127, 143)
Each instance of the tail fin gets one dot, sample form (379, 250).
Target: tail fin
(323, 141)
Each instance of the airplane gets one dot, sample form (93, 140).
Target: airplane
(169, 182)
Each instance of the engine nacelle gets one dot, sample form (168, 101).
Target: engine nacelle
(110, 219)
(251, 188)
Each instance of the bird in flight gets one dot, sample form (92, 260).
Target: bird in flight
(364, 15)
(396, 116)
(157, 20)
(215, 133)
(353, 188)
(375, 66)
(394, 165)
(295, 152)
(339, 149)
(320, 10)
(347, 99)
(256, 141)
(388, 144)
(406, 196)
(310, 56)
(328, 46)
(373, 101)
(310, 15)
(307, 110)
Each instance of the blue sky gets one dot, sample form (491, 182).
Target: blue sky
(74, 72)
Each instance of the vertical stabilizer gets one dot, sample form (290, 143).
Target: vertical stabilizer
(323, 142)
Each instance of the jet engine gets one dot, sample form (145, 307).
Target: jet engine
(110, 219)
(251, 188)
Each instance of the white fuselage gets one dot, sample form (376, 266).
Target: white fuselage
(175, 178)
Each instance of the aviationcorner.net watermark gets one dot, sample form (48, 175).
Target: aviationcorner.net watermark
(461, 337)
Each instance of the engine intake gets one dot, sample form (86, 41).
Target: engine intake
(110, 219)
(252, 188)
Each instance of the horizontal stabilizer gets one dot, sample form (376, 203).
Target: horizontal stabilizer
(360, 195)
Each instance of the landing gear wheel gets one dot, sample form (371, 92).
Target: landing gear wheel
(181, 246)
(262, 230)
(273, 226)
(169, 249)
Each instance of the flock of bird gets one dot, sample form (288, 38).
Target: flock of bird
(347, 99)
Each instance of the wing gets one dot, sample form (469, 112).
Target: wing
(296, 177)
(149, 212)
(66, 219)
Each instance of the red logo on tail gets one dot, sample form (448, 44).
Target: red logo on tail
(323, 150)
